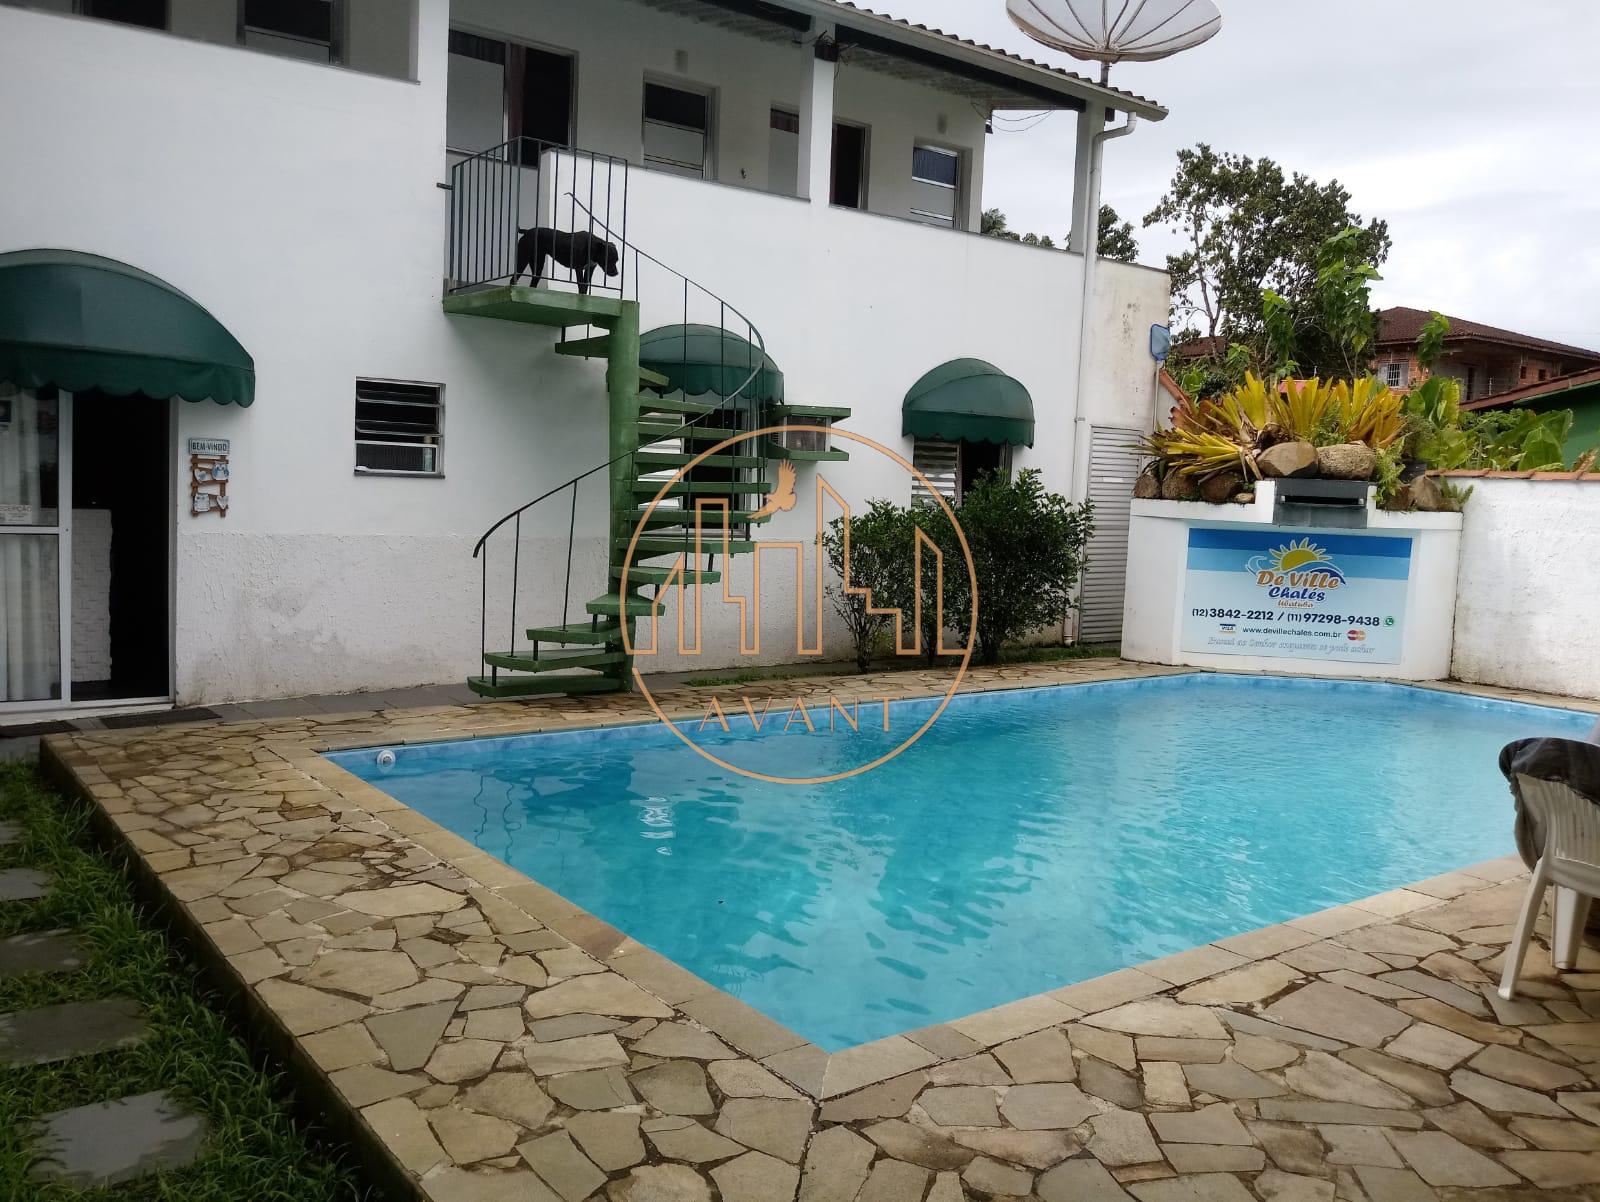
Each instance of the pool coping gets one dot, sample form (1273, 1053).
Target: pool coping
(821, 1076)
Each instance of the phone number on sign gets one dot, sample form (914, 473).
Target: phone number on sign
(1268, 615)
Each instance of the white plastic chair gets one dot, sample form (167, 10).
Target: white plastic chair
(1570, 860)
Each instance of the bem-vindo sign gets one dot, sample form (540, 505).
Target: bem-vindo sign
(1300, 595)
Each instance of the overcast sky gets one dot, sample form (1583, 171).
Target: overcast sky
(1471, 126)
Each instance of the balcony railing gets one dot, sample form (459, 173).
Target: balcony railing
(525, 184)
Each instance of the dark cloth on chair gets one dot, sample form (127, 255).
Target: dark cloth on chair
(1574, 764)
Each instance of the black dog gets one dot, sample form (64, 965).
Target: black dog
(580, 251)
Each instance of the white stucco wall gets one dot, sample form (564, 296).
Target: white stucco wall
(1158, 540)
(300, 205)
(1526, 609)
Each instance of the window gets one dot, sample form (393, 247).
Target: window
(783, 153)
(935, 185)
(308, 29)
(1394, 374)
(399, 427)
(849, 181)
(954, 467)
(1543, 374)
(499, 90)
(677, 125)
(152, 14)
(940, 462)
(812, 437)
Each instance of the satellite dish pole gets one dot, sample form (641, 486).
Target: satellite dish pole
(1105, 31)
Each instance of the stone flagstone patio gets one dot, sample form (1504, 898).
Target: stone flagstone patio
(492, 1041)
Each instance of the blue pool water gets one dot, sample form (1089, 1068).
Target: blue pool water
(1031, 839)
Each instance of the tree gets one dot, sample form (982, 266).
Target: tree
(1116, 236)
(1248, 228)
(1028, 550)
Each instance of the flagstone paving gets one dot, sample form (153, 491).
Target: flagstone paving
(499, 1043)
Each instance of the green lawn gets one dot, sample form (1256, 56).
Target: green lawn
(256, 1151)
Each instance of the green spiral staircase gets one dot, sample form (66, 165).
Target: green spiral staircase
(659, 421)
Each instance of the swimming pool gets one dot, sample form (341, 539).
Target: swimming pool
(1033, 838)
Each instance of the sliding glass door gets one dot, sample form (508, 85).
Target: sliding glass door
(33, 547)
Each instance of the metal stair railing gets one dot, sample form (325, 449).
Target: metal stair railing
(490, 197)
(737, 404)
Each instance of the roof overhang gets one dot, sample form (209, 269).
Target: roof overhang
(993, 79)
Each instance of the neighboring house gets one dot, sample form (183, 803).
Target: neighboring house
(313, 205)
(1577, 391)
(1486, 359)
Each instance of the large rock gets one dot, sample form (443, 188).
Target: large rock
(1177, 486)
(1148, 486)
(1347, 461)
(1426, 494)
(1220, 487)
(1288, 459)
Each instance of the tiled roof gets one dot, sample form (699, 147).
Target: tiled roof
(1065, 75)
(1403, 325)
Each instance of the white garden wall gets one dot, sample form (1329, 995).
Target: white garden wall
(1528, 605)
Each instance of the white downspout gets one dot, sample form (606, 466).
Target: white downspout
(1091, 248)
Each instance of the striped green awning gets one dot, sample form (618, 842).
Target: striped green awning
(698, 359)
(969, 400)
(78, 322)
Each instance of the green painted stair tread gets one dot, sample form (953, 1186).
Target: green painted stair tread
(711, 544)
(532, 686)
(702, 488)
(665, 515)
(653, 378)
(576, 632)
(660, 431)
(610, 605)
(650, 403)
(646, 574)
(775, 451)
(553, 660)
(666, 459)
(598, 347)
(535, 306)
(837, 412)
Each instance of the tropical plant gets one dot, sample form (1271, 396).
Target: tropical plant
(1224, 433)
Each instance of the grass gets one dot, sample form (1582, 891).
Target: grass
(1011, 655)
(256, 1151)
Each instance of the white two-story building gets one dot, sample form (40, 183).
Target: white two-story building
(263, 386)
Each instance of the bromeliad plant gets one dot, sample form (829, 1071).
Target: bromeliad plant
(1228, 432)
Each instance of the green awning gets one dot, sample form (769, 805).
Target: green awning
(700, 359)
(968, 399)
(78, 322)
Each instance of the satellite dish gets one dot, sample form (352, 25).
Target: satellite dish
(1111, 31)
